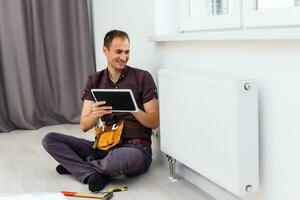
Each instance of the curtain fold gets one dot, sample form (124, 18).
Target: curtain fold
(45, 59)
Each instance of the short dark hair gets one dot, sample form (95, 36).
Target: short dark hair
(109, 36)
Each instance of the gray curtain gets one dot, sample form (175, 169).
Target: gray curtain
(45, 59)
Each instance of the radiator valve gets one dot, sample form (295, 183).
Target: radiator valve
(247, 86)
(249, 188)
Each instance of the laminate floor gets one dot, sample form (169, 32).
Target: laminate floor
(26, 167)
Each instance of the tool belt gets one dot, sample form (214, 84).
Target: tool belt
(143, 142)
(138, 127)
(108, 136)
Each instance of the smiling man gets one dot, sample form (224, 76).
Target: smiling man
(133, 155)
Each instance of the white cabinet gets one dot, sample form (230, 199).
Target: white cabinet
(209, 14)
(183, 20)
(266, 13)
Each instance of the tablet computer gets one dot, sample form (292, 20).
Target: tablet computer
(121, 100)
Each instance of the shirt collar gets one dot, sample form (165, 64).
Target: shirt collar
(122, 76)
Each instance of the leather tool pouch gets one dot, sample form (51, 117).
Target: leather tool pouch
(108, 136)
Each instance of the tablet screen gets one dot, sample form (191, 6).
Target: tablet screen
(121, 100)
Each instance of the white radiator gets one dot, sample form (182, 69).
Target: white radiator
(210, 124)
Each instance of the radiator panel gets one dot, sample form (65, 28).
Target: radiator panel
(209, 123)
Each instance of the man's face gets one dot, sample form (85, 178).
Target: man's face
(118, 53)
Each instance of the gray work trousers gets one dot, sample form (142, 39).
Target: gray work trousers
(78, 157)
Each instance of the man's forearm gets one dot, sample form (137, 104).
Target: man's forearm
(150, 120)
(88, 122)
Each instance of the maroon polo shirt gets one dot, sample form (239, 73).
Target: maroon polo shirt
(143, 88)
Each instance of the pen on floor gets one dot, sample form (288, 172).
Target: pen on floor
(105, 196)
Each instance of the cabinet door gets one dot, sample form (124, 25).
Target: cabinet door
(198, 15)
(260, 13)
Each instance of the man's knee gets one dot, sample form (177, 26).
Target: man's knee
(49, 139)
(128, 161)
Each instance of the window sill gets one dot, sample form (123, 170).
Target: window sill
(261, 34)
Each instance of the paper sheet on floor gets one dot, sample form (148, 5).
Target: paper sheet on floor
(33, 196)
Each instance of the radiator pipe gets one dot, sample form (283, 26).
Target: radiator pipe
(172, 165)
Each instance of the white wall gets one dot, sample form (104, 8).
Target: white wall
(135, 18)
(275, 65)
